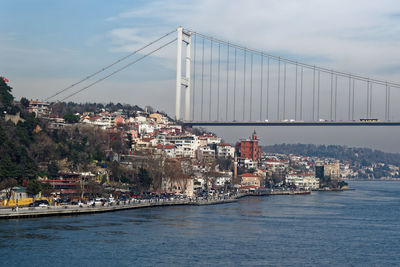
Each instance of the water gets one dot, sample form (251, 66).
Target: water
(352, 228)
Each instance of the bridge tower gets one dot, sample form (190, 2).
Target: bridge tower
(185, 38)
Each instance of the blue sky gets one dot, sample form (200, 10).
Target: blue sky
(67, 39)
(47, 45)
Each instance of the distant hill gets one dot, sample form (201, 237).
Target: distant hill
(362, 156)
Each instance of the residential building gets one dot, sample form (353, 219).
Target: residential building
(304, 180)
(332, 170)
(167, 150)
(225, 151)
(205, 153)
(41, 109)
(247, 163)
(249, 179)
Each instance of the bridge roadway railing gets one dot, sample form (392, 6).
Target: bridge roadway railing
(291, 123)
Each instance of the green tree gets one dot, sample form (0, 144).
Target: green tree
(129, 141)
(24, 102)
(33, 187)
(71, 118)
(6, 98)
(52, 169)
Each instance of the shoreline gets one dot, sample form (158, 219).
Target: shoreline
(73, 210)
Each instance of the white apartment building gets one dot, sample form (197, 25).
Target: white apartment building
(146, 128)
(220, 181)
(247, 163)
(225, 151)
(306, 181)
(186, 145)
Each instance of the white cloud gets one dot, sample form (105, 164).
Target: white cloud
(357, 36)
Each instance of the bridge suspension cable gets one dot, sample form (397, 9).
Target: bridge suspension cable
(289, 61)
(120, 69)
(110, 65)
(260, 84)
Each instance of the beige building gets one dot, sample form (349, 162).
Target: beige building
(332, 170)
(182, 186)
(205, 153)
(247, 179)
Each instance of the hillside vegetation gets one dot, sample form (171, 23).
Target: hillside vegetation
(361, 156)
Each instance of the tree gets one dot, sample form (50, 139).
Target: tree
(6, 98)
(225, 163)
(33, 187)
(155, 169)
(71, 118)
(24, 102)
(94, 189)
(8, 184)
(116, 171)
(144, 179)
(52, 169)
(117, 146)
(129, 142)
(46, 189)
(176, 176)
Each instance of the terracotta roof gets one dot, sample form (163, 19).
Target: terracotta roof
(38, 102)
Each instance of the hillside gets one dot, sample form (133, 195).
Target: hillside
(361, 156)
(29, 148)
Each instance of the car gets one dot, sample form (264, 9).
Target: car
(39, 203)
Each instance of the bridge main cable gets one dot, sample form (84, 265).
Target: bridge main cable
(110, 65)
(289, 61)
(120, 69)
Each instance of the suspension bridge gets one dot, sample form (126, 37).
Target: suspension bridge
(225, 84)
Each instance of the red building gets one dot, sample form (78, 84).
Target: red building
(249, 149)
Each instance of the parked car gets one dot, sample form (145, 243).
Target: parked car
(39, 203)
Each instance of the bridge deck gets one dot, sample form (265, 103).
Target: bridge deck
(288, 123)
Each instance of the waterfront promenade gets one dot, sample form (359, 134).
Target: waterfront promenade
(67, 210)
(70, 210)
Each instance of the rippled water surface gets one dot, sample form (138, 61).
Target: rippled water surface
(352, 228)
